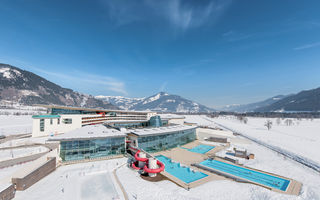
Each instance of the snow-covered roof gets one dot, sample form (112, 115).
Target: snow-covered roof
(160, 130)
(91, 131)
(171, 116)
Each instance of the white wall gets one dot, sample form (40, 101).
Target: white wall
(56, 128)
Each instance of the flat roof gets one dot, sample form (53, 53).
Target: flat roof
(89, 132)
(171, 116)
(90, 109)
(45, 116)
(125, 121)
(160, 130)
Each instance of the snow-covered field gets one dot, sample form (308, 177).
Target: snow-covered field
(84, 181)
(13, 124)
(301, 138)
(21, 152)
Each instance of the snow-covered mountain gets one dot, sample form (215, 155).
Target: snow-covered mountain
(304, 101)
(161, 102)
(252, 106)
(122, 102)
(27, 88)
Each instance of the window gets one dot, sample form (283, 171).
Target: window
(67, 121)
(41, 125)
(51, 121)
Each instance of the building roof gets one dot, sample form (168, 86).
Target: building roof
(171, 116)
(90, 109)
(160, 130)
(125, 121)
(45, 116)
(89, 132)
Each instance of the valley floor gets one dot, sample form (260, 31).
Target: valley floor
(95, 180)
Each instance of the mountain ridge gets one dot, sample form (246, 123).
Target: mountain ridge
(161, 102)
(304, 101)
(251, 107)
(27, 88)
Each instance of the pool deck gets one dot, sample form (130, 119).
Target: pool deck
(192, 160)
(294, 187)
(189, 158)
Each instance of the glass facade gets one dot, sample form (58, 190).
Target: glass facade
(93, 148)
(162, 142)
(155, 121)
(41, 125)
(130, 125)
(56, 111)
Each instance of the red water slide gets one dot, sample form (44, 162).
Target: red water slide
(154, 171)
(136, 156)
(145, 168)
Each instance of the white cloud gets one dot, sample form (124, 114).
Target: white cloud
(185, 16)
(110, 83)
(307, 46)
(163, 86)
(180, 14)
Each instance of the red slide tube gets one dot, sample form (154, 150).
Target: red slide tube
(160, 169)
(136, 156)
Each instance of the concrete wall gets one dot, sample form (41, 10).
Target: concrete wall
(8, 193)
(218, 139)
(15, 161)
(37, 174)
(203, 133)
(56, 128)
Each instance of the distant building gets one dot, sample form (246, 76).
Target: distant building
(62, 119)
(85, 134)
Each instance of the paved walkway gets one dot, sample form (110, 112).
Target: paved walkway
(119, 183)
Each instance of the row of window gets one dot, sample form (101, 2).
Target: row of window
(65, 121)
(166, 141)
(95, 148)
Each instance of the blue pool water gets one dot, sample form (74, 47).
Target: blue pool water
(251, 175)
(183, 173)
(202, 149)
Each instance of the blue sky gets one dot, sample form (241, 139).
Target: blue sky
(214, 52)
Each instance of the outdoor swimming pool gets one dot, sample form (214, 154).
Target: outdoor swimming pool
(251, 175)
(183, 173)
(202, 149)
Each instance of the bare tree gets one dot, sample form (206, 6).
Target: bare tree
(288, 122)
(278, 121)
(268, 124)
(245, 120)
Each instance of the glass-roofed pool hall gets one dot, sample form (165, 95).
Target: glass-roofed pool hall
(94, 148)
(160, 142)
